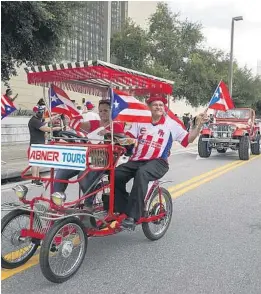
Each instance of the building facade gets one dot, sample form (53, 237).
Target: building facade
(91, 30)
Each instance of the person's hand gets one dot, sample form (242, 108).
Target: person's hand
(200, 119)
(103, 132)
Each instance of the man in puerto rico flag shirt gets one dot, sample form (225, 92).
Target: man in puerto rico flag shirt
(149, 159)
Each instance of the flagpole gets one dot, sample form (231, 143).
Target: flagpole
(112, 96)
(48, 106)
(212, 97)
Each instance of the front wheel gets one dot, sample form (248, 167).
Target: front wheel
(63, 250)
(255, 147)
(16, 250)
(204, 149)
(243, 150)
(155, 230)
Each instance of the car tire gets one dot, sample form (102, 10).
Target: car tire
(203, 148)
(255, 148)
(243, 150)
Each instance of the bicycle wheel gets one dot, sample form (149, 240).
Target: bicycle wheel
(156, 230)
(16, 251)
(63, 250)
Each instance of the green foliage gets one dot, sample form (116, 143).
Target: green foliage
(172, 48)
(32, 32)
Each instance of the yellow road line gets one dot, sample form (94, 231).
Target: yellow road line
(201, 176)
(9, 273)
(17, 254)
(208, 179)
(176, 191)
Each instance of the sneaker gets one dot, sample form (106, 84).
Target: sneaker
(36, 183)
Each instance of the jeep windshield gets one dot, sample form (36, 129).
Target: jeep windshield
(234, 114)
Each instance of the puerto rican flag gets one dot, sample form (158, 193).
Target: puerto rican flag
(221, 99)
(126, 108)
(61, 103)
(7, 106)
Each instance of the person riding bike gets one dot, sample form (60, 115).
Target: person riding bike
(149, 159)
(89, 126)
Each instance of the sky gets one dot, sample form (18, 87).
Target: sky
(216, 16)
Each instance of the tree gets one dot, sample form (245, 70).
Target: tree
(32, 32)
(172, 48)
(201, 75)
(246, 88)
(129, 47)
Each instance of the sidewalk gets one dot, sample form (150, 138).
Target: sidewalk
(14, 159)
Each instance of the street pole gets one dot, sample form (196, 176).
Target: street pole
(107, 30)
(230, 75)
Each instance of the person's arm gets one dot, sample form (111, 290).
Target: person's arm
(13, 99)
(48, 129)
(86, 126)
(199, 121)
(181, 135)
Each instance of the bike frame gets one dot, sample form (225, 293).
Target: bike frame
(60, 212)
(94, 78)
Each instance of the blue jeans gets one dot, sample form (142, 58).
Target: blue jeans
(64, 174)
(87, 184)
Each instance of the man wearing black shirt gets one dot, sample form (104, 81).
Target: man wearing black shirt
(37, 128)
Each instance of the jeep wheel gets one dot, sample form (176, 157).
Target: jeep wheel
(222, 150)
(203, 147)
(255, 147)
(243, 150)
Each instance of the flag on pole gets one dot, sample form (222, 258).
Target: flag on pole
(221, 99)
(126, 108)
(7, 106)
(61, 103)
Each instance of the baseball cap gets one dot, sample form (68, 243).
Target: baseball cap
(89, 105)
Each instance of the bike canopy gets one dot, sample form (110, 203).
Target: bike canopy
(95, 77)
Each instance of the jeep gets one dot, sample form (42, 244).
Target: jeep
(235, 129)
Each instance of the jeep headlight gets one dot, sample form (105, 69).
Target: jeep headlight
(58, 198)
(20, 191)
(232, 128)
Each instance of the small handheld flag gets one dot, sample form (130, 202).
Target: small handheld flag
(221, 99)
(7, 106)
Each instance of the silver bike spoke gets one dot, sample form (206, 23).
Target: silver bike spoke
(67, 255)
(15, 252)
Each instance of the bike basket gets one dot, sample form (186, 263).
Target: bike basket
(41, 208)
(98, 158)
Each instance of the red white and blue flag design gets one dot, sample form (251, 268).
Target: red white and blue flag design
(61, 103)
(7, 106)
(221, 99)
(126, 108)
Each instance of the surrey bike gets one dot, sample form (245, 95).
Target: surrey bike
(61, 225)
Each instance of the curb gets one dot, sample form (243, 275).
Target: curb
(12, 174)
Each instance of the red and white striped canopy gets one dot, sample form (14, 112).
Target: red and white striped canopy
(95, 77)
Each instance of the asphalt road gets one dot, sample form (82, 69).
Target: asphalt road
(213, 244)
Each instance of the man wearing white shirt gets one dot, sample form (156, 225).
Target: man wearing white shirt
(88, 114)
